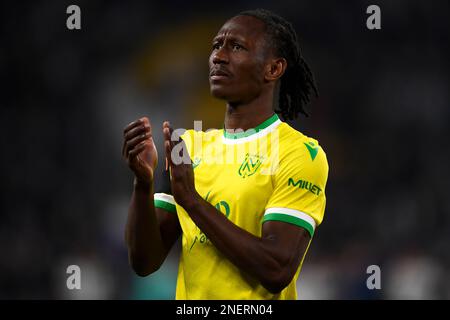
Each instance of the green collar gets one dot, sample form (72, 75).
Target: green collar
(250, 131)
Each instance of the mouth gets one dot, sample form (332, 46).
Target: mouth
(219, 74)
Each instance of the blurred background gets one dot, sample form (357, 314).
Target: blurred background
(66, 95)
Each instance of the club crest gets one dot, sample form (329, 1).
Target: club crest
(250, 165)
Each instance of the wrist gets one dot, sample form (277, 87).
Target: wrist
(139, 184)
(192, 202)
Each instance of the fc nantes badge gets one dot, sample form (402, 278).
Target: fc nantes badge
(250, 165)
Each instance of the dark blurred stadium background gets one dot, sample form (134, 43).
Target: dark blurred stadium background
(382, 117)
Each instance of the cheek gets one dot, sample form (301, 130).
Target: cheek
(210, 61)
(254, 74)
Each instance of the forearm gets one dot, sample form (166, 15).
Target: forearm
(143, 237)
(255, 255)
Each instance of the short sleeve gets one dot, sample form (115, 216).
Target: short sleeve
(299, 188)
(165, 201)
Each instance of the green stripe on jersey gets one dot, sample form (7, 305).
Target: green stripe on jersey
(289, 219)
(165, 205)
(251, 131)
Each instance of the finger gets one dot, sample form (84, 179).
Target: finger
(140, 121)
(130, 144)
(167, 143)
(172, 142)
(132, 125)
(141, 129)
(138, 149)
(173, 138)
(168, 151)
(166, 131)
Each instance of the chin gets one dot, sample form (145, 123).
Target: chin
(219, 93)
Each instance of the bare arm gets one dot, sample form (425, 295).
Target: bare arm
(150, 232)
(272, 258)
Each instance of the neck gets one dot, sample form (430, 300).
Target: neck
(248, 115)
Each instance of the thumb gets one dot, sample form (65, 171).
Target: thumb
(168, 144)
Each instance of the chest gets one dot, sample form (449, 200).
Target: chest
(235, 184)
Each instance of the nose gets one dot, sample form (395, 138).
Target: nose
(219, 56)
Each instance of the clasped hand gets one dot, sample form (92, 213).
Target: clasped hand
(140, 154)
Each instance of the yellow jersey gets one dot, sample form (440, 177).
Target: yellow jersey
(269, 173)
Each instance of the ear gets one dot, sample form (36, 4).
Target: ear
(275, 69)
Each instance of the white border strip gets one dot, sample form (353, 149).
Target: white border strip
(293, 213)
(164, 197)
(254, 136)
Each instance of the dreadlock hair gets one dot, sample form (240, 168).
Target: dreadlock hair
(297, 83)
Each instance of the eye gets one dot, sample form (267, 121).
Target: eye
(237, 47)
(216, 46)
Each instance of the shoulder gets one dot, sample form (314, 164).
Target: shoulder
(299, 150)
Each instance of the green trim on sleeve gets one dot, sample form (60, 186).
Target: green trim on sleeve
(165, 205)
(289, 219)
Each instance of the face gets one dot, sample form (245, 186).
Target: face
(238, 60)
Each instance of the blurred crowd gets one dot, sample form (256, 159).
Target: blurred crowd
(382, 118)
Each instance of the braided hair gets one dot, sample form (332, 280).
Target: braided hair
(297, 83)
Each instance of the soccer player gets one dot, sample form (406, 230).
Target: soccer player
(248, 204)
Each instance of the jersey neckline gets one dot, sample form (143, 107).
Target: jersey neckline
(252, 131)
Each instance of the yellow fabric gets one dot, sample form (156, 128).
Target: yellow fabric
(248, 179)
